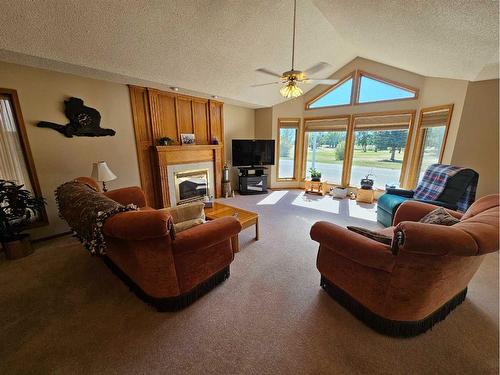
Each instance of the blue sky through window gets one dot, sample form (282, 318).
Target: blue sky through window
(341, 95)
(372, 90)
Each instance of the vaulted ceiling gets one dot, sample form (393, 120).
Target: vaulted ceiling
(213, 47)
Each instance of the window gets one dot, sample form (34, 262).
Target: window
(361, 88)
(16, 162)
(376, 90)
(379, 148)
(324, 148)
(340, 94)
(431, 138)
(288, 137)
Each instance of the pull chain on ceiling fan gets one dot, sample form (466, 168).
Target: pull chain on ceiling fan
(290, 79)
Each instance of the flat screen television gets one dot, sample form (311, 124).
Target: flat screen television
(248, 152)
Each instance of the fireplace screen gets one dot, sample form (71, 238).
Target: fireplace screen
(191, 185)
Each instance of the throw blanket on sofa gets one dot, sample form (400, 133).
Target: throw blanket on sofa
(85, 210)
(434, 182)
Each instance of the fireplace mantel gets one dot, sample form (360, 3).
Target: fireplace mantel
(187, 154)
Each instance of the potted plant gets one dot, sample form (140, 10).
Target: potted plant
(18, 207)
(315, 174)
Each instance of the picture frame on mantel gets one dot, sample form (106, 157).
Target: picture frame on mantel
(187, 139)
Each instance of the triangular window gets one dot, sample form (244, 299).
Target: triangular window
(376, 90)
(339, 94)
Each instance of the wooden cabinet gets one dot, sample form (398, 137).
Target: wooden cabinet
(185, 115)
(143, 140)
(158, 114)
(201, 122)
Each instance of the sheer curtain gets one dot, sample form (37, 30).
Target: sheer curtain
(12, 163)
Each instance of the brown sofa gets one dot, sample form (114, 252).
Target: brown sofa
(168, 273)
(404, 292)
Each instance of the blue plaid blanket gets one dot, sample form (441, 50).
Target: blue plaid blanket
(434, 182)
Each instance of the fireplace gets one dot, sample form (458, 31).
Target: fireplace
(191, 185)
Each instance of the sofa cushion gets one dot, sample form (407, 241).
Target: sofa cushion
(439, 216)
(184, 225)
(186, 212)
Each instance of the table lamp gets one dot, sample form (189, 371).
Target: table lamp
(102, 173)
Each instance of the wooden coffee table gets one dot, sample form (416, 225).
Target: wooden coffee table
(246, 219)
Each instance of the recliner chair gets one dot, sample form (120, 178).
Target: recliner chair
(453, 190)
(405, 289)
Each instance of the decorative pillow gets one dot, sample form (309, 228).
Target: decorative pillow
(382, 238)
(183, 225)
(439, 216)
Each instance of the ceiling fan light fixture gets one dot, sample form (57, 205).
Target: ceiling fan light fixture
(291, 90)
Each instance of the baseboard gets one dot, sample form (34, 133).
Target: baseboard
(389, 327)
(170, 303)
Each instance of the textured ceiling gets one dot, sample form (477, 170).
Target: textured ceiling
(213, 47)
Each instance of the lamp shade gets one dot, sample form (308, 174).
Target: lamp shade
(101, 172)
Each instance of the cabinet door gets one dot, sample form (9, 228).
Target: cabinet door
(201, 122)
(163, 115)
(143, 141)
(216, 121)
(185, 115)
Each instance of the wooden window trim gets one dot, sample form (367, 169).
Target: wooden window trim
(349, 156)
(27, 155)
(362, 73)
(418, 144)
(289, 123)
(333, 87)
(305, 142)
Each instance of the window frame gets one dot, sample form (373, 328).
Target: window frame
(289, 123)
(356, 76)
(419, 141)
(333, 87)
(327, 128)
(406, 156)
(11, 95)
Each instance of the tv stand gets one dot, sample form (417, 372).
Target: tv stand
(252, 180)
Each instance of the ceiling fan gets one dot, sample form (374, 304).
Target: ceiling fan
(291, 78)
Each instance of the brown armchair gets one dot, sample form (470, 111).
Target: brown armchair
(169, 273)
(405, 290)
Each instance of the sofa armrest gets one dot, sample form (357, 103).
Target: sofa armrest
(415, 210)
(401, 192)
(433, 239)
(353, 246)
(138, 225)
(128, 195)
(207, 234)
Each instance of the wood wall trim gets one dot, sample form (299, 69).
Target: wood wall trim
(331, 88)
(418, 144)
(289, 123)
(158, 114)
(26, 150)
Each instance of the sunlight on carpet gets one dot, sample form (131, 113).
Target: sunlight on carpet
(273, 198)
(345, 207)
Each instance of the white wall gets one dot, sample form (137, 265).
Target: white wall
(477, 140)
(239, 123)
(59, 159)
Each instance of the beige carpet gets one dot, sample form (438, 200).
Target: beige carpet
(64, 312)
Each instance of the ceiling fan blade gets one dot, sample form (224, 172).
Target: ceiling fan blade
(316, 68)
(265, 84)
(321, 81)
(269, 72)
